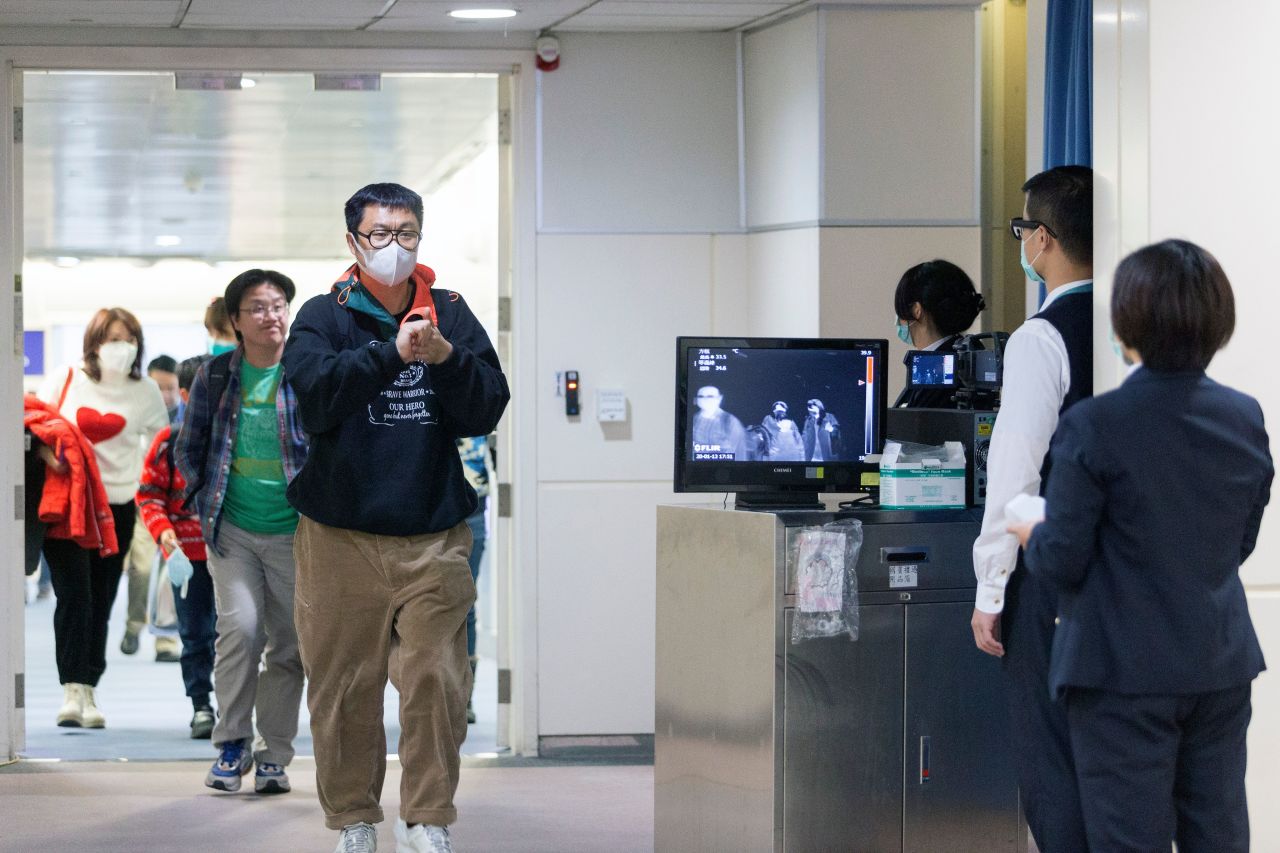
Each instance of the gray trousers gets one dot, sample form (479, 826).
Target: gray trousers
(256, 664)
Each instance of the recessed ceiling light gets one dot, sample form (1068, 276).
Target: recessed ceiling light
(167, 240)
(65, 261)
(482, 14)
(247, 82)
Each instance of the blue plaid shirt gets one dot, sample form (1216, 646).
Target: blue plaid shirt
(208, 436)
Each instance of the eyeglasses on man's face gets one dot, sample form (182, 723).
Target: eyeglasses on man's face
(380, 238)
(259, 310)
(1018, 227)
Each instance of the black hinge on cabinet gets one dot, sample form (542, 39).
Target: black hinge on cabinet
(19, 502)
(20, 690)
(504, 500)
(17, 125)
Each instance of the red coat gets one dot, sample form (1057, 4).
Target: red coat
(159, 499)
(74, 501)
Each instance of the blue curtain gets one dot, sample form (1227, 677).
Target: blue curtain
(1068, 86)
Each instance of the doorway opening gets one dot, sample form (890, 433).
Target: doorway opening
(150, 191)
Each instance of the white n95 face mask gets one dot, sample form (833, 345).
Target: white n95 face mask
(389, 266)
(116, 357)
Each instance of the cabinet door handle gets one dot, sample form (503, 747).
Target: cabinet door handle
(924, 759)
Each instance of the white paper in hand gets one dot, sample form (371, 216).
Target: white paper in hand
(1024, 508)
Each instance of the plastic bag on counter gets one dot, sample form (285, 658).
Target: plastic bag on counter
(826, 581)
(929, 455)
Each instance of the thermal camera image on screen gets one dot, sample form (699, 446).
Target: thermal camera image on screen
(792, 405)
(931, 369)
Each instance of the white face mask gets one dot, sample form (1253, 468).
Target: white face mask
(389, 266)
(116, 357)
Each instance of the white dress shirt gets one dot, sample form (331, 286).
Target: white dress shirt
(1037, 376)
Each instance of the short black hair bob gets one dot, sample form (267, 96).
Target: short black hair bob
(250, 279)
(945, 293)
(394, 196)
(188, 368)
(1062, 198)
(1172, 303)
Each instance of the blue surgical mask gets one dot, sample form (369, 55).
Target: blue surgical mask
(904, 333)
(1119, 350)
(1026, 265)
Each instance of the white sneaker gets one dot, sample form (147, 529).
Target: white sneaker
(423, 838)
(91, 717)
(71, 714)
(357, 838)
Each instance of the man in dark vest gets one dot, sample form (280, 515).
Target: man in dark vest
(1048, 368)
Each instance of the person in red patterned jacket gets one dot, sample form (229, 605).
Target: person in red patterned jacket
(177, 530)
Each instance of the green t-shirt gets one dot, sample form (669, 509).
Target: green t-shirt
(255, 498)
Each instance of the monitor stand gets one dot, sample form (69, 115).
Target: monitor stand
(765, 501)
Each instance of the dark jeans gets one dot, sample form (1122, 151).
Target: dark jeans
(1156, 769)
(476, 522)
(85, 584)
(197, 625)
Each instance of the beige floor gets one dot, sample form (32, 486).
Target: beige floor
(163, 807)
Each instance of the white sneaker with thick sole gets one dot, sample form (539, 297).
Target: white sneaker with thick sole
(71, 714)
(91, 717)
(357, 838)
(423, 838)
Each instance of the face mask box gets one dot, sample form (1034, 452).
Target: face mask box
(934, 482)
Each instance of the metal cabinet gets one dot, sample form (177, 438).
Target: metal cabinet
(895, 742)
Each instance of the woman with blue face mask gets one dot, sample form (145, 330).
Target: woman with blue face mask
(935, 303)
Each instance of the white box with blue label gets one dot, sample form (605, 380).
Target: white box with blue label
(935, 481)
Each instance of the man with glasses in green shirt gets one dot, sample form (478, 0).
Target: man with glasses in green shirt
(241, 443)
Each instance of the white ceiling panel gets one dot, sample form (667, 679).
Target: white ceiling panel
(281, 14)
(112, 162)
(83, 13)
(679, 11)
(433, 15)
(596, 23)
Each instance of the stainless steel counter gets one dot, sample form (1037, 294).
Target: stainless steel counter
(895, 742)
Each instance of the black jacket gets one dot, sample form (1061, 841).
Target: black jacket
(382, 457)
(1156, 498)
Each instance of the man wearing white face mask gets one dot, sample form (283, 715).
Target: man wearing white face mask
(119, 410)
(388, 371)
(1048, 368)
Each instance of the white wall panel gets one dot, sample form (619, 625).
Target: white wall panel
(639, 133)
(783, 283)
(729, 275)
(596, 622)
(900, 130)
(781, 119)
(860, 272)
(611, 307)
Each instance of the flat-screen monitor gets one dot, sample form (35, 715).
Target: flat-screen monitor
(931, 369)
(778, 420)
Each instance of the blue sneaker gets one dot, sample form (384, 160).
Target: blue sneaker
(270, 779)
(234, 761)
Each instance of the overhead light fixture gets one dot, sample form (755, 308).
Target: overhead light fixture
(168, 240)
(247, 82)
(66, 262)
(482, 14)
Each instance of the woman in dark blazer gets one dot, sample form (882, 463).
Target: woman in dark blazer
(935, 303)
(1156, 497)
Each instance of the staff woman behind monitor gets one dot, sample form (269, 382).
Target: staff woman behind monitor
(935, 303)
